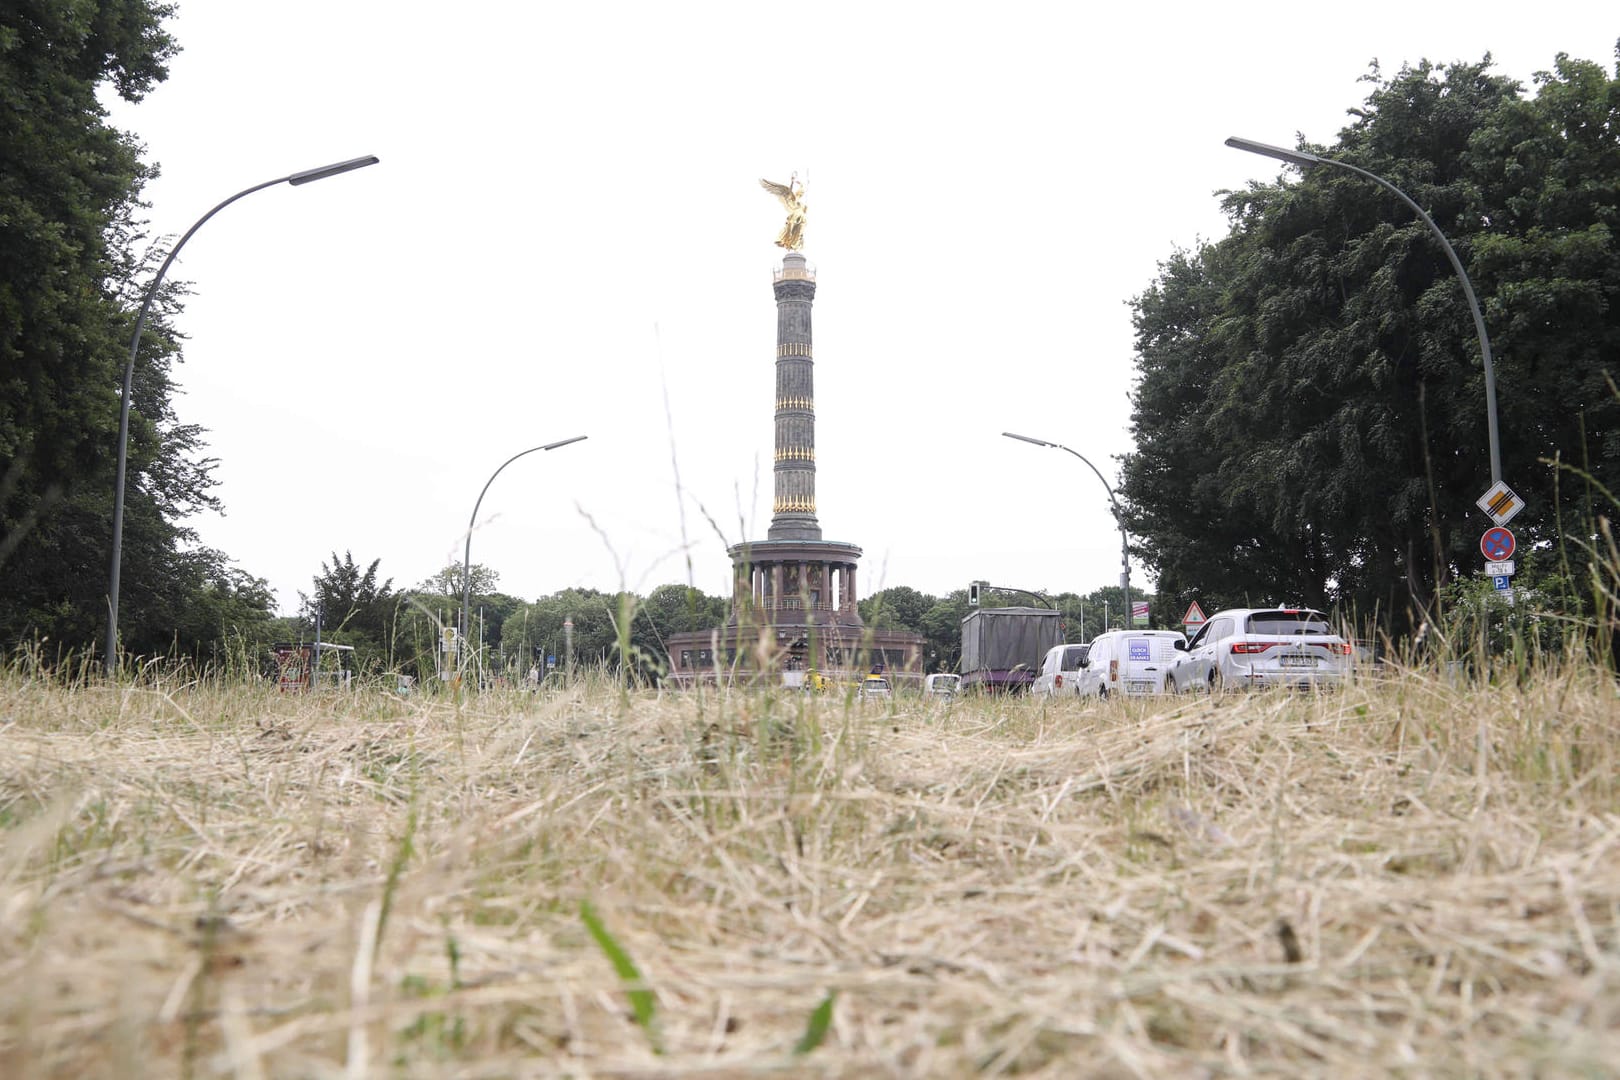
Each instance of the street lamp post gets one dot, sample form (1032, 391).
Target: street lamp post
(466, 558)
(295, 179)
(1124, 540)
(1307, 160)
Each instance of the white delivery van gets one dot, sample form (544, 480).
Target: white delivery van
(1131, 662)
(1061, 671)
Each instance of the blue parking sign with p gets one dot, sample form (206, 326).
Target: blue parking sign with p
(1502, 581)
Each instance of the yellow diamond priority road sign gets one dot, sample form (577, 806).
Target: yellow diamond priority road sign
(1500, 503)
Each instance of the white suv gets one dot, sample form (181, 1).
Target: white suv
(1263, 647)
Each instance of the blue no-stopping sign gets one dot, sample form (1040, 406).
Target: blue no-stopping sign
(1497, 544)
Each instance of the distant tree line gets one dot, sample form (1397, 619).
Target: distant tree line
(402, 631)
(939, 618)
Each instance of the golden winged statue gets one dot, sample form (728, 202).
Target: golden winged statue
(792, 196)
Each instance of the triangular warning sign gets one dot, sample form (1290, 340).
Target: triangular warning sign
(1194, 616)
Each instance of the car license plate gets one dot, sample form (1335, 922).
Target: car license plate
(1296, 661)
(1138, 686)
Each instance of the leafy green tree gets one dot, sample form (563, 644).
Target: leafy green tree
(488, 610)
(1548, 169)
(69, 185)
(224, 621)
(676, 609)
(1310, 417)
(353, 608)
(898, 607)
(539, 627)
(72, 262)
(447, 582)
(1104, 610)
(415, 632)
(1082, 620)
(941, 624)
(490, 613)
(670, 609)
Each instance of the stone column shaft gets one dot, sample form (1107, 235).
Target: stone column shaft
(794, 506)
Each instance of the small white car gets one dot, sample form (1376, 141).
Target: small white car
(1131, 662)
(1060, 670)
(874, 686)
(942, 684)
(1281, 646)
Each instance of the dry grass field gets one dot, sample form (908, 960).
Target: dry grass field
(1405, 877)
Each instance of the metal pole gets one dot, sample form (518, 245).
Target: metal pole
(466, 555)
(1119, 518)
(115, 573)
(1306, 161)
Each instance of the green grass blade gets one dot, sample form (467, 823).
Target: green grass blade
(815, 1030)
(642, 1003)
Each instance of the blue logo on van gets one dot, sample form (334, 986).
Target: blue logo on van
(1140, 649)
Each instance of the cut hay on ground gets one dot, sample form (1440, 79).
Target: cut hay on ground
(1404, 877)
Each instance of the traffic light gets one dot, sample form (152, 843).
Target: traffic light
(973, 594)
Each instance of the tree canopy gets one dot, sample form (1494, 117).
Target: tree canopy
(448, 581)
(71, 262)
(1309, 417)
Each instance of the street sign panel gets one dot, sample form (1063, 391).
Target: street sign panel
(1139, 612)
(1497, 544)
(1502, 582)
(1194, 617)
(1500, 503)
(1492, 569)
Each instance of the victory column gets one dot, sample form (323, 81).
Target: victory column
(794, 601)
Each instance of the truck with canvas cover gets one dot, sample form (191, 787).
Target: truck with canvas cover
(1002, 647)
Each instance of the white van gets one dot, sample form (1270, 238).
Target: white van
(1061, 670)
(1131, 662)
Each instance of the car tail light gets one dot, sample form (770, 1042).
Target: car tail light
(1340, 647)
(1245, 647)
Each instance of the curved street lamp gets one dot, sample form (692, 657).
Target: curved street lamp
(296, 179)
(466, 558)
(1124, 540)
(1308, 161)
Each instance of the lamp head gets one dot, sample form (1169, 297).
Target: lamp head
(1293, 157)
(309, 176)
(564, 442)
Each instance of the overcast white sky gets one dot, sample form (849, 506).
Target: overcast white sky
(567, 236)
